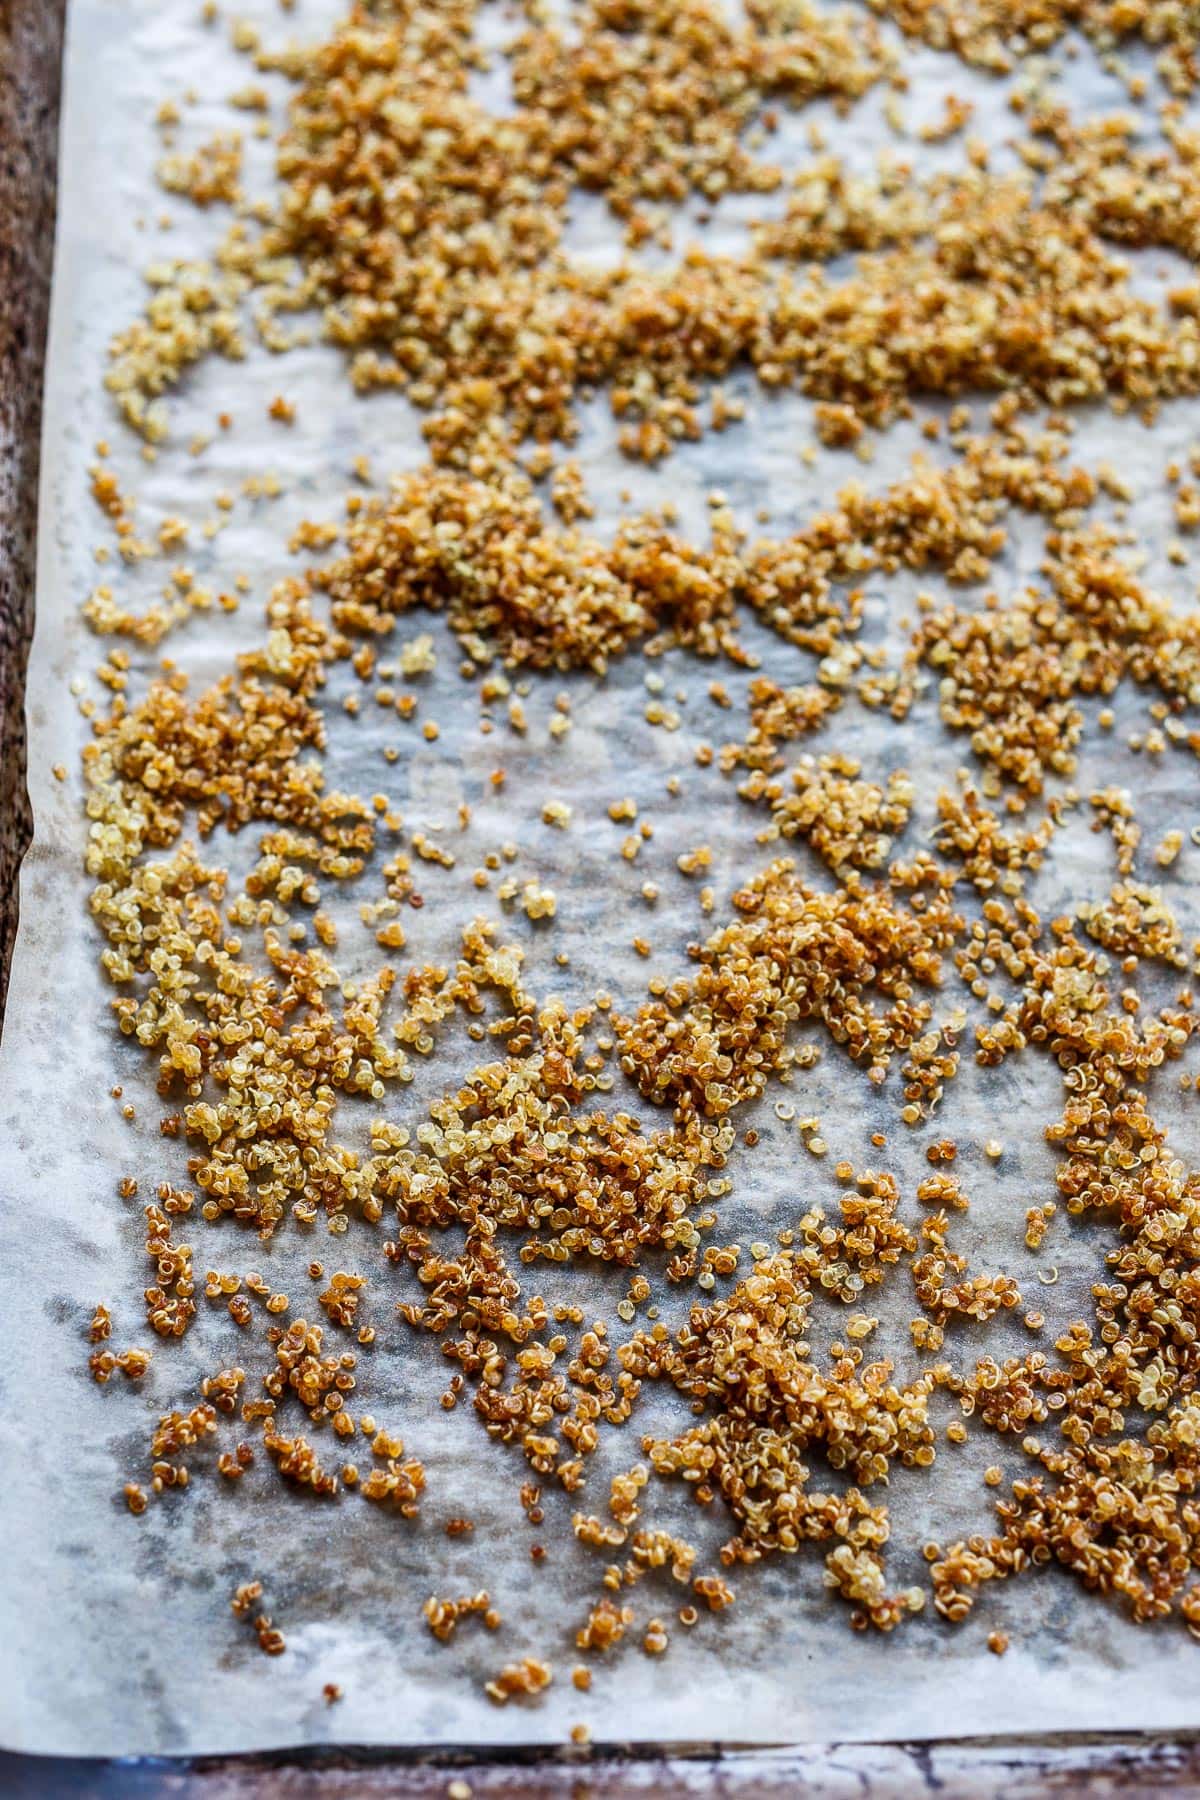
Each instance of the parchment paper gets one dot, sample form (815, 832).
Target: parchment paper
(115, 1633)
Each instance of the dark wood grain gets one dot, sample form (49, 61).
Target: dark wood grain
(1100, 1768)
(30, 60)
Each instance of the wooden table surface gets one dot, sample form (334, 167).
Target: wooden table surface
(30, 58)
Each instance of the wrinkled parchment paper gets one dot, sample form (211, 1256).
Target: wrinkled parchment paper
(115, 1633)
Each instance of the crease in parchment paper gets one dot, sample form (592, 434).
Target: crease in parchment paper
(116, 1634)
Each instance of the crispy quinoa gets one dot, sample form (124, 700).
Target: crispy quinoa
(428, 233)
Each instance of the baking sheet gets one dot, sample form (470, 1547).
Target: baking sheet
(115, 1633)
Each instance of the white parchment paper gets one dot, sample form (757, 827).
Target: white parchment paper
(115, 1633)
